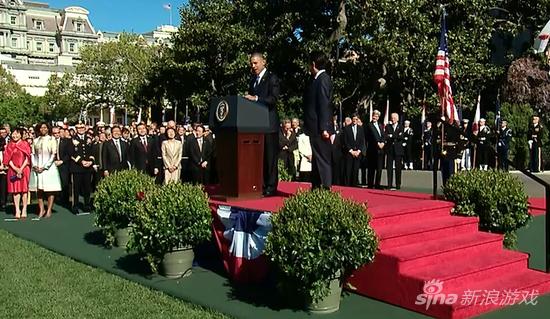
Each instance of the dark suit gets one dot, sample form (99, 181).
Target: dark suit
(287, 155)
(267, 91)
(142, 157)
(394, 153)
(81, 150)
(199, 175)
(318, 118)
(64, 154)
(375, 154)
(112, 160)
(353, 143)
(337, 160)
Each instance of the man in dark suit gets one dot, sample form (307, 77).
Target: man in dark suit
(394, 151)
(115, 153)
(375, 150)
(62, 161)
(354, 149)
(199, 150)
(82, 161)
(264, 88)
(318, 121)
(141, 152)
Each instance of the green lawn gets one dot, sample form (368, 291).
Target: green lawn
(37, 283)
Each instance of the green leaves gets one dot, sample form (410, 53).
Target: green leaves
(496, 197)
(172, 216)
(316, 235)
(117, 199)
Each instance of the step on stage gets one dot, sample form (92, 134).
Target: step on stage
(429, 261)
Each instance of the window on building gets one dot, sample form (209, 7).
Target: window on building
(39, 24)
(28, 44)
(52, 47)
(13, 19)
(31, 77)
(39, 46)
(79, 27)
(14, 42)
(72, 47)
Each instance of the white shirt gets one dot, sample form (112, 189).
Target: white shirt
(319, 73)
(260, 76)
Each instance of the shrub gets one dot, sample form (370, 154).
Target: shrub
(496, 197)
(116, 200)
(284, 175)
(316, 235)
(173, 216)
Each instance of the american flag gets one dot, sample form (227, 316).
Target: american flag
(442, 75)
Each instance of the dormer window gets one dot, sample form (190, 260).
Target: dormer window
(39, 24)
(13, 20)
(79, 27)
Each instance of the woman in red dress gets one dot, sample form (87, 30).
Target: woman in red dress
(17, 157)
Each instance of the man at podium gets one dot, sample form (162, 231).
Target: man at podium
(264, 88)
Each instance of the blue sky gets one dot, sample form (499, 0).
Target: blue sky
(124, 15)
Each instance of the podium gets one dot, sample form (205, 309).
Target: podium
(239, 126)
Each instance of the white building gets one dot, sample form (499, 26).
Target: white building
(37, 41)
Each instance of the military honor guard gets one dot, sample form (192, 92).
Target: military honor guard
(503, 145)
(450, 149)
(483, 145)
(427, 136)
(534, 135)
(408, 135)
(466, 146)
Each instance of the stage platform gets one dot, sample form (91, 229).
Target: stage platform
(420, 241)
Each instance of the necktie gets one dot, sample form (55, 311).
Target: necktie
(144, 142)
(57, 149)
(200, 144)
(117, 143)
(354, 132)
(257, 81)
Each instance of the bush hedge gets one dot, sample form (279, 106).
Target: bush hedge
(496, 197)
(316, 235)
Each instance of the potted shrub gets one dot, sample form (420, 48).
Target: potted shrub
(116, 200)
(170, 222)
(318, 239)
(496, 197)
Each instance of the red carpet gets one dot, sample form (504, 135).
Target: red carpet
(420, 241)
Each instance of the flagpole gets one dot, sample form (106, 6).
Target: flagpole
(170, 14)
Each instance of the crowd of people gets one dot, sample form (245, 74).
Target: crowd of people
(67, 162)
(361, 151)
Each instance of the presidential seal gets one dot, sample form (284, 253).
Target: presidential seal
(222, 110)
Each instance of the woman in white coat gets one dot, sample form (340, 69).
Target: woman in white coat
(304, 148)
(44, 176)
(171, 156)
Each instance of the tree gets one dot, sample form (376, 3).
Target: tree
(111, 74)
(9, 88)
(61, 100)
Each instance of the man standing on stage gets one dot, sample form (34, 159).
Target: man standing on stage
(483, 145)
(535, 135)
(375, 150)
(427, 144)
(503, 145)
(318, 121)
(264, 88)
(394, 151)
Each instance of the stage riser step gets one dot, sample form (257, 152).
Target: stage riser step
(428, 234)
(410, 217)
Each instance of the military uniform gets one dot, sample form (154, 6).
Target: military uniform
(82, 150)
(466, 147)
(408, 145)
(535, 147)
(450, 151)
(427, 144)
(503, 145)
(483, 147)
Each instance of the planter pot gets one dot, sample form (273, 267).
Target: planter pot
(178, 263)
(330, 303)
(122, 236)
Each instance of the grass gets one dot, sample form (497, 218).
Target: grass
(37, 283)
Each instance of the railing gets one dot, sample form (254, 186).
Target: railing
(547, 208)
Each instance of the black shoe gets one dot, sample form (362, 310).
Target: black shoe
(87, 209)
(269, 194)
(74, 210)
